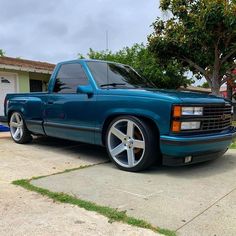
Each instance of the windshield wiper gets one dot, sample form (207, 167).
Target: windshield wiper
(112, 84)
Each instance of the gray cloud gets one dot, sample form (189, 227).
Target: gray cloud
(23, 9)
(52, 28)
(58, 30)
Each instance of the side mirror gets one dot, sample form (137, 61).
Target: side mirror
(85, 89)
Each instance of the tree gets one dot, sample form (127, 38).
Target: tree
(231, 84)
(170, 76)
(204, 85)
(2, 53)
(200, 35)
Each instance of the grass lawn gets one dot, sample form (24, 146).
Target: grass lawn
(234, 144)
(111, 213)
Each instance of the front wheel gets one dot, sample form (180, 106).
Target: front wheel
(19, 132)
(132, 144)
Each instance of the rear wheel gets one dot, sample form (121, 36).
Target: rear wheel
(19, 132)
(131, 143)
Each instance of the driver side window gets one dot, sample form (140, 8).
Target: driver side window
(69, 77)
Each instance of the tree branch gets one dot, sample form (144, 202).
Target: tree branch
(228, 41)
(197, 67)
(224, 80)
(217, 61)
(227, 75)
(224, 59)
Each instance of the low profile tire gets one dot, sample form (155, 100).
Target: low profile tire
(131, 143)
(19, 132)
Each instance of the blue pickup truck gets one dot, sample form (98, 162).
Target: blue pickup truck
(110, 104)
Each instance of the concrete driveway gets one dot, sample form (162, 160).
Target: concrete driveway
(196, 200)
(193, 200)
(27, 213)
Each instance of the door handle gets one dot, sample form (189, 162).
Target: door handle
(50, 102)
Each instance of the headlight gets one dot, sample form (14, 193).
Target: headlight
(178, 126)
(190, 125)
(192, 111)
(183, 118)
(187, 111)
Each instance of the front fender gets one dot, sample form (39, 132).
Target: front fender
(109, 115)
(133, 112)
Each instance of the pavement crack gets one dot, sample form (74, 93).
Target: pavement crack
(134, 194)
(218, 200)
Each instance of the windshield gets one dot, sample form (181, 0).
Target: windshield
(112, 75)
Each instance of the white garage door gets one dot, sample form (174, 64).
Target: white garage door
(7, 85)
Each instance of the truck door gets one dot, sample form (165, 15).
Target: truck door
(69, 114)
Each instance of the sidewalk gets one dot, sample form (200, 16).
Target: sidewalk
(193, 200)
(27, 213)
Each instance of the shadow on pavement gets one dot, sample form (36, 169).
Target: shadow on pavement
(205, 169)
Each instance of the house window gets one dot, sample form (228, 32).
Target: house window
(36, 85)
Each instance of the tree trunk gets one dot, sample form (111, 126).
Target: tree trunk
(216, 83)
(215, 86)
(229, 91)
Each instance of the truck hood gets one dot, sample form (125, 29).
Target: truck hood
(191, 97)
(169, 95)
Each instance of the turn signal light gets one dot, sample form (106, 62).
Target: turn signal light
(176, 126)
(177, 111)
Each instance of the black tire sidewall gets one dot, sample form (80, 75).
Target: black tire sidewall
(150, 144)
(26, 137)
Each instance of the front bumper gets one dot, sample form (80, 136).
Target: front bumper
(173, 161)
(200, 147)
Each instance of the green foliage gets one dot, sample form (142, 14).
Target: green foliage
(234, 142)
(233, 146)
(169, 76)
(2, 53)
(111, 213)
(205, 85)
(200, 35)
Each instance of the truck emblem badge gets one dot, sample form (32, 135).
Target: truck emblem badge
(225, 116)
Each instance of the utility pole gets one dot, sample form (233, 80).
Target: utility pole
(107, 41)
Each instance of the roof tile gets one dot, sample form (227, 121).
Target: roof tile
(26, 63)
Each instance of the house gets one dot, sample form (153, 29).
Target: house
(20, 75)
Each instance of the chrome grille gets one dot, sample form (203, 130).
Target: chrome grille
(216, 118)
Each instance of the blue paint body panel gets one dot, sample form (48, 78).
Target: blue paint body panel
(3, 128)
(81, 117)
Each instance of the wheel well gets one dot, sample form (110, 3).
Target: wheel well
(146, 119)
(9, 115)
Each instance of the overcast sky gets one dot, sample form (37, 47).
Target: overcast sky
(57, 30)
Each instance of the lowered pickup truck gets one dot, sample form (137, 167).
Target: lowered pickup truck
(109, 104)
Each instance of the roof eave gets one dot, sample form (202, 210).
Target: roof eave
(26, 69)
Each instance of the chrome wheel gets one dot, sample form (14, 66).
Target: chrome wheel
(126, 143)
(16, 126)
